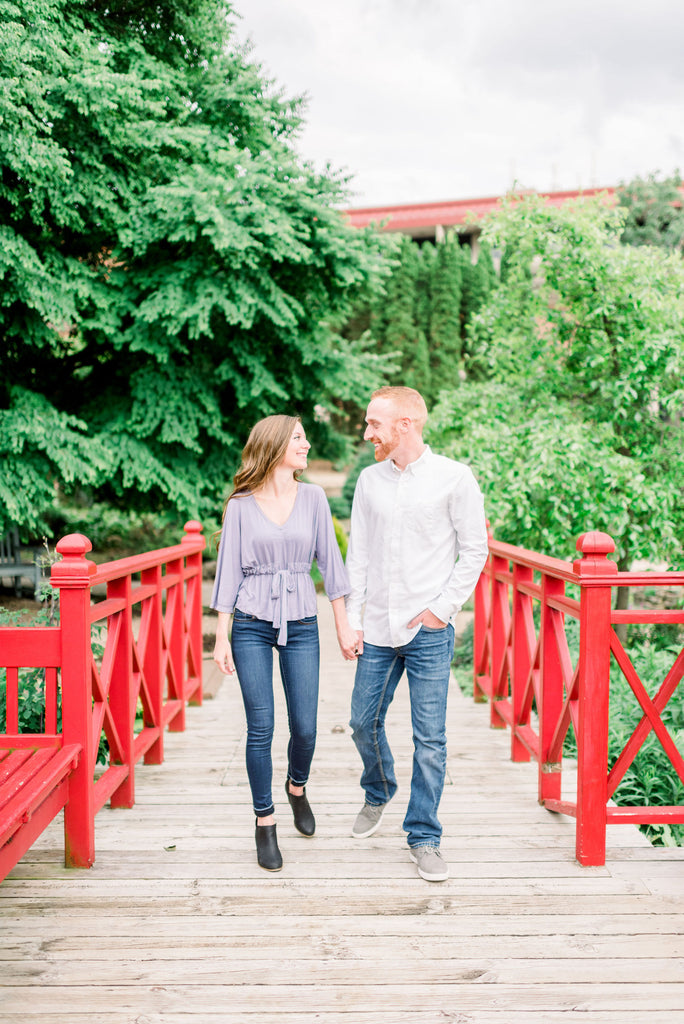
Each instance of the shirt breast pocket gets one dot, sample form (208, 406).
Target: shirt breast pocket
(420, 519)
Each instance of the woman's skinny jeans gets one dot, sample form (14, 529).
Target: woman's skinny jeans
(253, 641)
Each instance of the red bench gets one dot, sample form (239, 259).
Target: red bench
(35, 767)
(34, 787)
(80, 696)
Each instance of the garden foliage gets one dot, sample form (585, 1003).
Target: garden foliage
(654, 211)
(571, 412)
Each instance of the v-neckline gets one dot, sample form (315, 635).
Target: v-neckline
(278, 526)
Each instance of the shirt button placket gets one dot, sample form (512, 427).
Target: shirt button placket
(396, 555)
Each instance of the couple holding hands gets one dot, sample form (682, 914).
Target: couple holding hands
(418, 543)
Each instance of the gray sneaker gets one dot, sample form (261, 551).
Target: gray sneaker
(368, 820)
(431, 866)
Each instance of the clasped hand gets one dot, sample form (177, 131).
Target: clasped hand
(351, 642)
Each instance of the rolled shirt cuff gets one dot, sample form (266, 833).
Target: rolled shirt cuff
(444, 611)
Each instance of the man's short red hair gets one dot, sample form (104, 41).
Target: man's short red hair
(406, 402)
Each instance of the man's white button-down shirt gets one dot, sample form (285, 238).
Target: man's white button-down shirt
(418, 540)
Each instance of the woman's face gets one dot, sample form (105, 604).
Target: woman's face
(296, 453)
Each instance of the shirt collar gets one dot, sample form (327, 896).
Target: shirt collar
(416, 466)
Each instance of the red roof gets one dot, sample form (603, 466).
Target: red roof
(414, 216)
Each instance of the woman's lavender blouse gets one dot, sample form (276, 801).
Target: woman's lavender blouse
(264, 569)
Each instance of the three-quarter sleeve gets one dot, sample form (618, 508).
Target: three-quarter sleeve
(327, 551)
(229, 574)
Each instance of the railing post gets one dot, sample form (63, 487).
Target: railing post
(482, 650)
(550, 702)
(152, 661)
(482, 658)
(500, 622)
(174, 625)
(194, 603)
(71, 577)
(521, 662)
(122, 698)
(595, 572)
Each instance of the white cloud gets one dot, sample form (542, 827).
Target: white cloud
(434, 99)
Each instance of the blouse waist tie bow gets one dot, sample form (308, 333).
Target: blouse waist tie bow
(283, 583)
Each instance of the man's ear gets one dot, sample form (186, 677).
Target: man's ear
(405, 424)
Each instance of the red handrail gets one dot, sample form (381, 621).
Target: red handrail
(520, 663)
(155, 660)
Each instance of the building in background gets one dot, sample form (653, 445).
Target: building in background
(428, 222)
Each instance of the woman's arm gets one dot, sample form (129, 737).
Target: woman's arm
(229, 574)
(223, 656)
(346, 636)
(326, 550)
(335, 579)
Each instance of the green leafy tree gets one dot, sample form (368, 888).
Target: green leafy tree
(576, 423)
(654, 211)
(171, 269)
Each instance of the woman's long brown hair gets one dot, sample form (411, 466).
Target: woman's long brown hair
(265, 448)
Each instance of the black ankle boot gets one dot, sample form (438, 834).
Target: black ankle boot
(303, 815)
(268, 854)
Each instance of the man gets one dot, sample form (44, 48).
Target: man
(417, 546)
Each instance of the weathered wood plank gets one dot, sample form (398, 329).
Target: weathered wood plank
(157, 928)
(446, 998)
(257, 943)
(262, 1015)
(407, 970)
(313, 865)
(198, 850)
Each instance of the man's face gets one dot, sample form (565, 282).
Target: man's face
(383, 428)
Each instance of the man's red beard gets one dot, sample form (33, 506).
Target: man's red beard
(384, 448)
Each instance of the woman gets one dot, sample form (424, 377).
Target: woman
(273, 527)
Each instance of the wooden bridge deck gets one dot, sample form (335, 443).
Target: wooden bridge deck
(176, 924)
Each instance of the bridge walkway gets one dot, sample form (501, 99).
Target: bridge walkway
(176, 924)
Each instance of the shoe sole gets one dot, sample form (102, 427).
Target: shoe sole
(374, 828)
(430, 878)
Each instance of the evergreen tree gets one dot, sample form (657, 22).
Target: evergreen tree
(479, 279)
(445, 318)
(420, 313)
(393, 319)
(418, 372)
(426, 258)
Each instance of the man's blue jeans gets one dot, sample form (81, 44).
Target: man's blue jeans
(253, 641)
(427, 660)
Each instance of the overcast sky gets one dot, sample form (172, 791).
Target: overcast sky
(422, 100)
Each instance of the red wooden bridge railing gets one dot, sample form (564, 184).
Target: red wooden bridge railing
(523, 665)
(137, 648)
